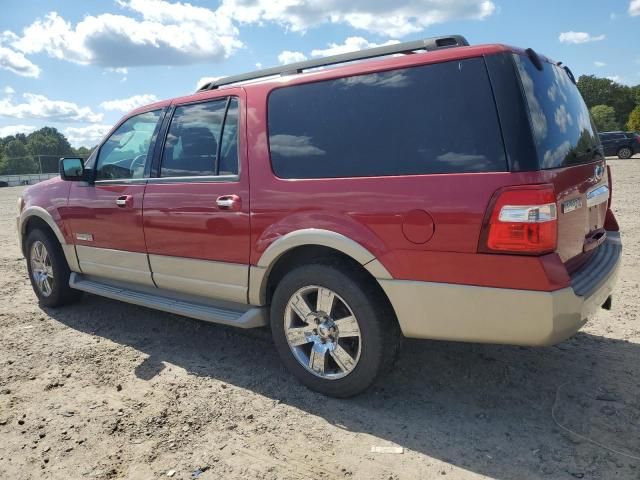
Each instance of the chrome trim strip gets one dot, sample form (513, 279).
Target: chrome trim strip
(597, 196)
(195, 179)
(122, 181)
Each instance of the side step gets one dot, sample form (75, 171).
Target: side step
(243, 316)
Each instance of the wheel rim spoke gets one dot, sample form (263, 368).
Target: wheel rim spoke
(345, 361)
(317, 360)
(348, 327)
(325, 300)
(299, 336)
(301, 307)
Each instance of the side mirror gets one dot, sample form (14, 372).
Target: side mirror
(72, 169)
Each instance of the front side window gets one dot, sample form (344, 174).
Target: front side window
(438, 118)
(124, 154)
(200, 142)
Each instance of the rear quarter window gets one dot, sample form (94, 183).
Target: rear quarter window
(438, 118)
(562, 129)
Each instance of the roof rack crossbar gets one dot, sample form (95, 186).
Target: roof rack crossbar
(428, 44)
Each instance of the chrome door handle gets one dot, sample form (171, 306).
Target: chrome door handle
(124, 201)
(229, 202)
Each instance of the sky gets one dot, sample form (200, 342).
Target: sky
(80, 66)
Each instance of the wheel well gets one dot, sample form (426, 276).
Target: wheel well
(36, 223)
(318, 254)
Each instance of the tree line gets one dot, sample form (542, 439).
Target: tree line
(38, 152)
(613, 106)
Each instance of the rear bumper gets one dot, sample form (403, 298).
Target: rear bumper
(499, 315)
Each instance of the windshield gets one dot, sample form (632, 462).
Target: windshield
(562, 127)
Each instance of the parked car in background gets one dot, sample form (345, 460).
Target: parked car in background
(623, 144)
(343, 207)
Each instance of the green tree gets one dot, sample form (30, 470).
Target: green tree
(603, 91)
(633, 124)
(604, 117)
(18, 159)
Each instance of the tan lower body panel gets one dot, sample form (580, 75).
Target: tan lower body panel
(114, 264)
(491, 315)
(221, 280)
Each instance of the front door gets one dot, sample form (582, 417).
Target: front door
(105, 217)
(196, 211)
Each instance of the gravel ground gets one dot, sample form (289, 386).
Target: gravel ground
(104, 390)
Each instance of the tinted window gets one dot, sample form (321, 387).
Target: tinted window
(125, 152)
(431, 119)
(229, 149)
(193, 141)
(560, 120)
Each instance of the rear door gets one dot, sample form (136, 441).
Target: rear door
(105, 216)
(196, 209)
(569, 155)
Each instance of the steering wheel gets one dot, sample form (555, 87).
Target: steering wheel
(137, 161)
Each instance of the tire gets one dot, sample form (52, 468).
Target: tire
(316, 352)
(48, 270)
(625, 153)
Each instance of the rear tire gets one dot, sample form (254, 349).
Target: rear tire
(625, 153)
(332, 328)
(48, 270)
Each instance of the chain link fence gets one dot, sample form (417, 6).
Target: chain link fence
(29, 164)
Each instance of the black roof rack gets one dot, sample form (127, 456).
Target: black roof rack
(428, 44)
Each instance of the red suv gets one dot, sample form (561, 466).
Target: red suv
(436, 190)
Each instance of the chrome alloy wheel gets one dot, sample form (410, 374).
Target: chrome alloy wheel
(41, 269)
(322, 332)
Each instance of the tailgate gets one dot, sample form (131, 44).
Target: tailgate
(583, 194)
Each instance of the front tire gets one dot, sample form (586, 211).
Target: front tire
(48, 270)
(625, 153)
(332, 328)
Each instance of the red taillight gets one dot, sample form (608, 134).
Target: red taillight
(523, 220)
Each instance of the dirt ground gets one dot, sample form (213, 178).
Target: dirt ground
(104, 390)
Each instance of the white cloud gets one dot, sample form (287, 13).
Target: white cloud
(17, 63)
(8, 90)
(634, 8)
(579, 37)
(128, 104)
(13, 129)
(88, 136)
(39, 106)
(204, 80)
(167, 34)
(616, 78)
(351, 44)
(288, 56)
(397, 18)
(599, 64)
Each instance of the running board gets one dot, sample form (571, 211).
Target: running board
(242, 316)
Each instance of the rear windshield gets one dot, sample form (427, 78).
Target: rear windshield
(437, 118)
(562, 127)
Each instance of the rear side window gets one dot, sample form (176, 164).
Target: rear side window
(438, 118)
(202, 140)
(560, 120)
